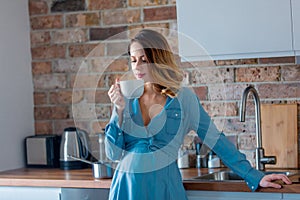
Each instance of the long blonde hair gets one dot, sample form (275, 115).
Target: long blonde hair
(164, 70)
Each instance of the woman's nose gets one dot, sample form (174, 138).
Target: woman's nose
(139, 64)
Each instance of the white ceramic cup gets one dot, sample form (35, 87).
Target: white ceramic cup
(132, 88)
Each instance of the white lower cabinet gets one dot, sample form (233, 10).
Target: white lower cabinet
(48, 193)
(84, 194)
(29, 193)
(212, 195)
(291, 196)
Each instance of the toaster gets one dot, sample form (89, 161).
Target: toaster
(42, 151)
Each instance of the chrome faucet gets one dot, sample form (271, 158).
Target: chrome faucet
(260, 159)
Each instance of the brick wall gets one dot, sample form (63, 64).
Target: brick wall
(75, 59)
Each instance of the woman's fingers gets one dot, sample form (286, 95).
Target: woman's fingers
(267, 180)
(116, 96)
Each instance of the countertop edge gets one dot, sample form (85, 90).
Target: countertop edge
(32, 177)
(56, 183)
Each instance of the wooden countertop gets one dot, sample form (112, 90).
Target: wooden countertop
(238, 186)
(41, 177)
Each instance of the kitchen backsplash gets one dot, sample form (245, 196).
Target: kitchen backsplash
(75, 60)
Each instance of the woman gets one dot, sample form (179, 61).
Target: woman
(146, 133)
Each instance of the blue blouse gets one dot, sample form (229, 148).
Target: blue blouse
(147, 154)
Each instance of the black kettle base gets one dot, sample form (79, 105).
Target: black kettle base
(66, 165)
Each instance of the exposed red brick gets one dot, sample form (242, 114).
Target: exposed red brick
(277, 60)
(69, 36)
(103, 112)
(280, 90)
(160, 13)
(117, 49)
(50, 81)
(68, 6)
(66, 97)
(91, 81)
(97, 96)
(251, 61)
(207, 63)
(38, 7)
(69, 66)
(162, 28)
(40, 38)
(201, 92)
(86, 50)
(41, 68)
(247, 142)
(48, 52)
(109, 65)
(212, 75)
(234, 126)
(83, 19)
(46, 22)
(108, 33)
(43, 127)
(40, 98)
(104, 4)
(290, 73)
(258, 74)
(221, 109)
(48, 113)
(139, 3)
(111, 78)
(123, 16)
(226, 91)
(84, 111)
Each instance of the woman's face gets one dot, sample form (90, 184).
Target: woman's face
(139, 62)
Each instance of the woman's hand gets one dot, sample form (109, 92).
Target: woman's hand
(267, 180)
(116, 96)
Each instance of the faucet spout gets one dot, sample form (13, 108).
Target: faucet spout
(260, 159)
(257, 112)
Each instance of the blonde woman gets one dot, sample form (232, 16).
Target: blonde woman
(145, 133)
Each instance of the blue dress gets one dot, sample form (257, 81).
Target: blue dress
(147, 169)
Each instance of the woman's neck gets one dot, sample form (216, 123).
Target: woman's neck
(151, 102)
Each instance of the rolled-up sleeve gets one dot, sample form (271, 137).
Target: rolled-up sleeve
(201, 122)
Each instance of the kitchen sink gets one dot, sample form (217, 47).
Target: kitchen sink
(288, 173)
(228, 175)
(219, 176)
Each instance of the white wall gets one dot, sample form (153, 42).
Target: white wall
(16, 88)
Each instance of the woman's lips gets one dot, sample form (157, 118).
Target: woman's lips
(140, 75)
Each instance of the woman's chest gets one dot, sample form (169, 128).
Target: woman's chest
(168, 121)
(150, 108)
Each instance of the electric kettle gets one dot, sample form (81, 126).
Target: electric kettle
(74, 142)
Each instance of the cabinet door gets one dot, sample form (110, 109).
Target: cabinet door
(215, 195)
(29, 193)
(291, 196)
(235, 28)
(296, 25)
(84, 193)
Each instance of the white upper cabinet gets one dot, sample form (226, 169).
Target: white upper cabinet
(296, 24)
(234, 29)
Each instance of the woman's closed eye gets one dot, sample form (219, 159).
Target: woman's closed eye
(143, 61)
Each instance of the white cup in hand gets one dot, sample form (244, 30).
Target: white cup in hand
(132, 88)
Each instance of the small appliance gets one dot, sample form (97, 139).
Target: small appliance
(74, 142)
(42, 151)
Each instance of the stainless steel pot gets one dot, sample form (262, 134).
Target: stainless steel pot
(101, 169)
